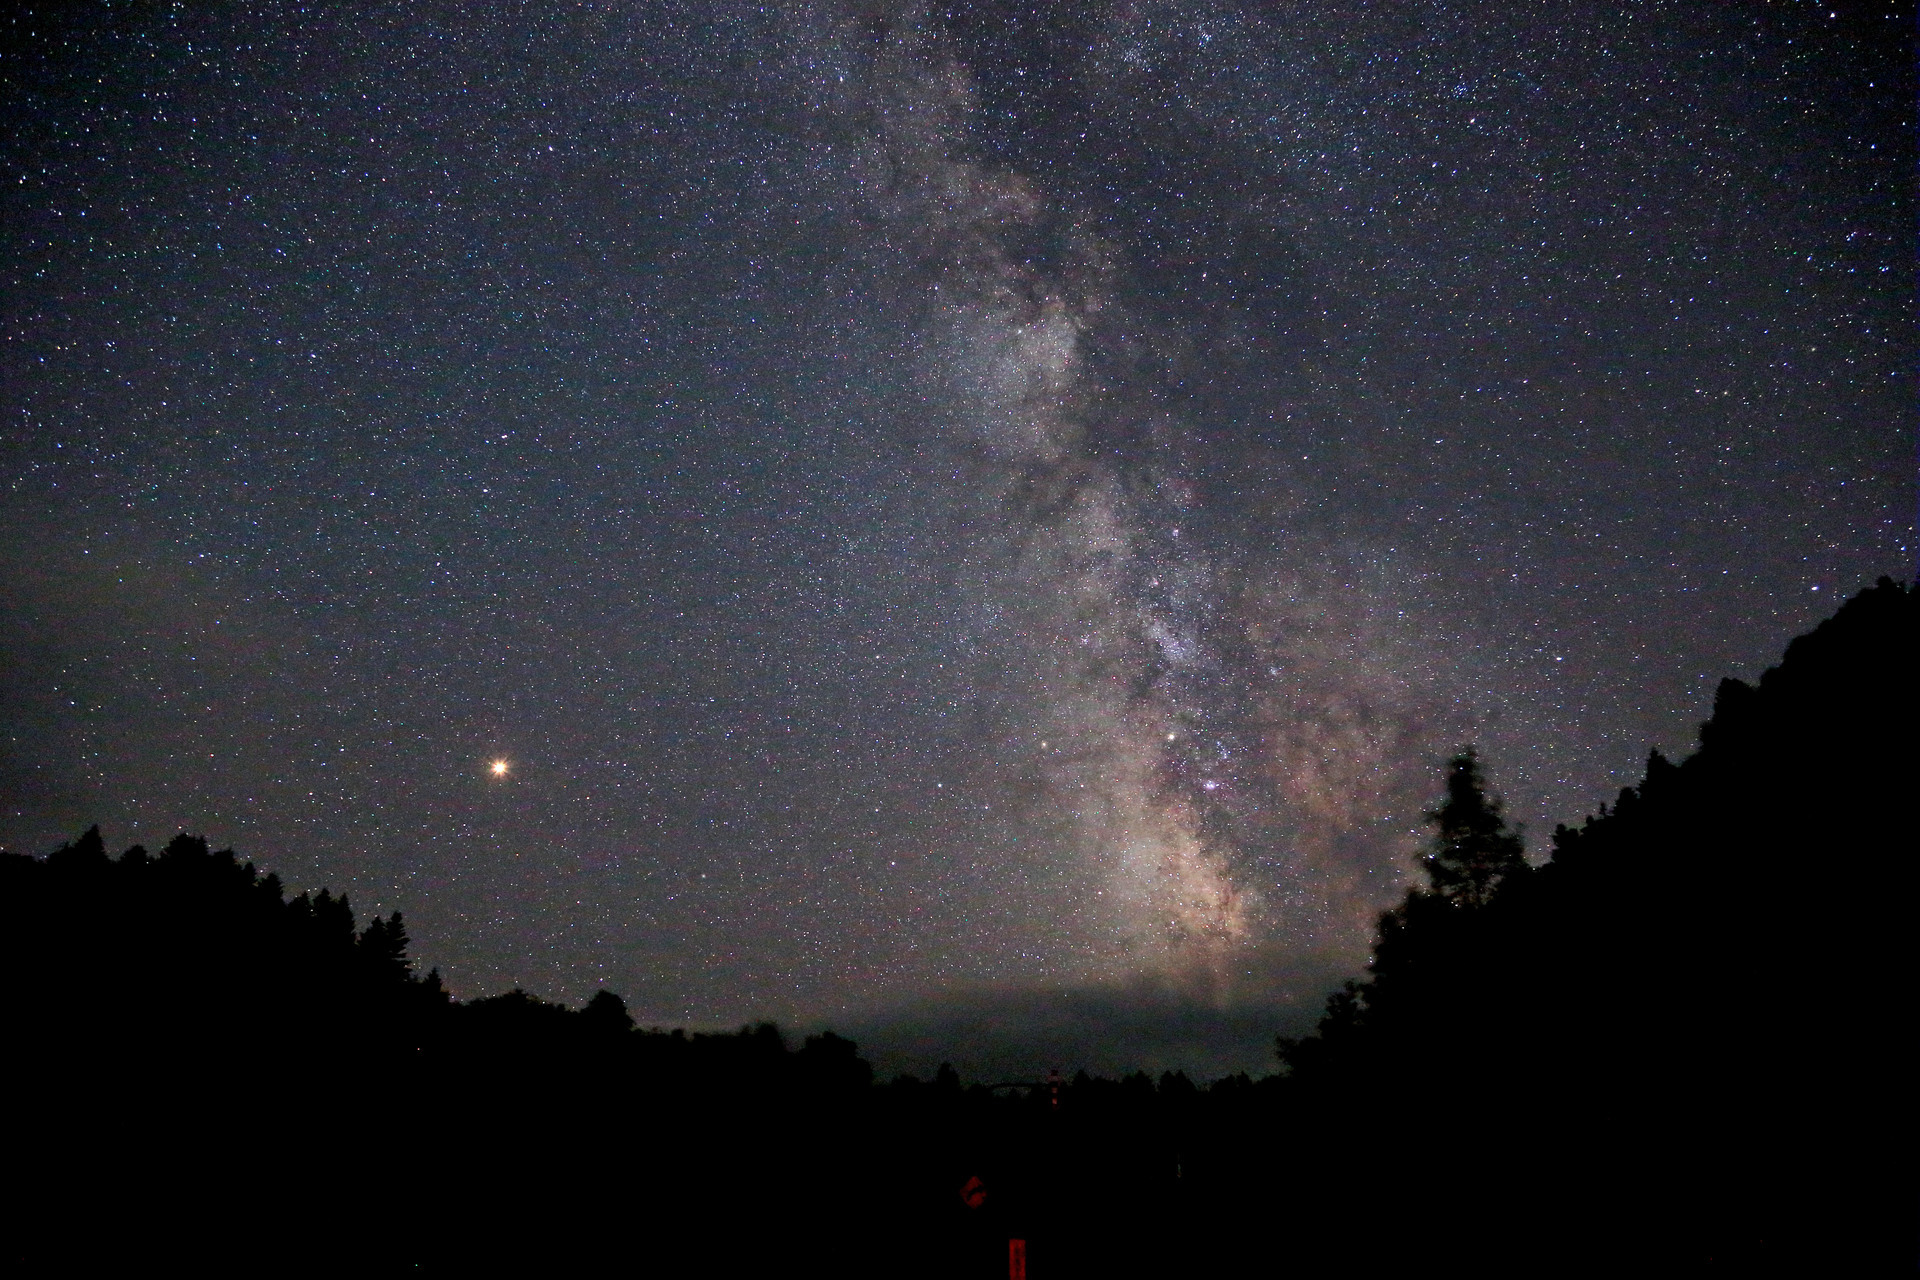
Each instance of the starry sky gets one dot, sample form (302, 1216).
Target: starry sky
(973, 520)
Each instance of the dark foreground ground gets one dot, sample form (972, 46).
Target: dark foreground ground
(556, 1173)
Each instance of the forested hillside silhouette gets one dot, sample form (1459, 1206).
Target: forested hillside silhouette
(229, 1065)
(1659, 1049)
(1662, 1043)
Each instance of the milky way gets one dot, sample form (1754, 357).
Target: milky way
(926, 501)
(1177, 715)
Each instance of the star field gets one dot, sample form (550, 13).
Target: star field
(795, 510)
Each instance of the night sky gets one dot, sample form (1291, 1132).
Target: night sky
(974, 513)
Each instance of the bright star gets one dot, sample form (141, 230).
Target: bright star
(498, 768)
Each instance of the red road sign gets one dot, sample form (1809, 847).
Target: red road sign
(974, 1192)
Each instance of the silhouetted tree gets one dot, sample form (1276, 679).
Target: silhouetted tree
(830, 1062)
(382, 948)
(1472, 851)
(606, 1014)
(1435, 968)
(82, 855)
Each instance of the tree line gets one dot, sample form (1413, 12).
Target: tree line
(1664, 1045)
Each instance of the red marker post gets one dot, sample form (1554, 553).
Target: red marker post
(1016, 1260)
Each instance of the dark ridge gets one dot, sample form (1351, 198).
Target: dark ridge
(1665, 1042)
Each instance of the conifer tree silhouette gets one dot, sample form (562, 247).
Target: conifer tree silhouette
(382, 947)
(1473, 850)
